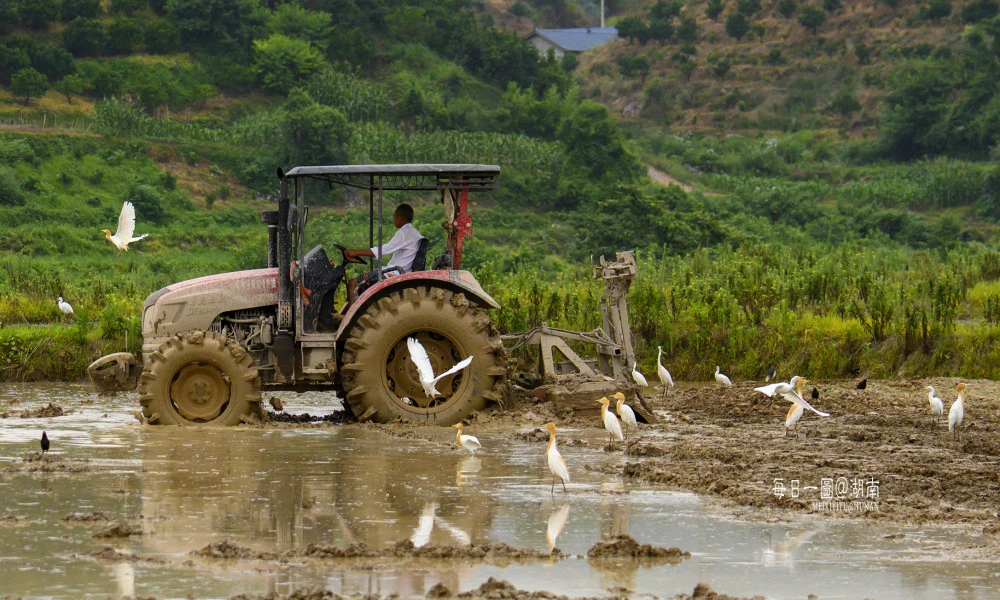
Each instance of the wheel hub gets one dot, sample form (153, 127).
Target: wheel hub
(200, 392)
(403, 379)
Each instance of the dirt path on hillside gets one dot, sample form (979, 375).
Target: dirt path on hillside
(662, 178)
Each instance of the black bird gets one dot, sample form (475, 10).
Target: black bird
(45, 443)
(815, 394)
(770, 373)
(863, 384)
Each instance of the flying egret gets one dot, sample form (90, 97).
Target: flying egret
(957, 413)
(663, 373)
(795, 397)
(937, 406)
(637, 377)
(126, 227)
(556, 463)
(778, 388)
(468, 442)
(610, 421)
(426, 371)
(722, 379)
(770, 374)
(626, 413)
(65, 307)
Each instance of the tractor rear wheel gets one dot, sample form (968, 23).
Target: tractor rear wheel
(199, 378)
(380, 378)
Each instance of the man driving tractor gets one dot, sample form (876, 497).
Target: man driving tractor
(403, 248)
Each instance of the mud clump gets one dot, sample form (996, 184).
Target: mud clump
(227, 549)
(118, 530)
(495, 589)
(623, 546)
(341, 417)
(439, 591)
(703, 592)
(52, 410)
(13, 520)
(79, 517)
(37, 462)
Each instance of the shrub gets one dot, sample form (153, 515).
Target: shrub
(281, 62)
(787, 8)
(714, 8)
(737, 25)
(162, 37)
(936, 10)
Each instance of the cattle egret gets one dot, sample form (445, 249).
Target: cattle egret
(626, 413)
(937, 406)
(957, 413)
(862, 384)
(778, 388)
(610, 422)
(45, 443)
(557, 520)
(424, 369)
(770, 374)
(637, 377)
(556, 463)
(468, 442)
(64, 306)
(795, 397)
(663, 373)
(792, 418)
(722, 379)
(126, 227)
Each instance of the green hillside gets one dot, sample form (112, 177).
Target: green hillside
(858, 238)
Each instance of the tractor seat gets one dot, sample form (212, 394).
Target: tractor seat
(420, 259)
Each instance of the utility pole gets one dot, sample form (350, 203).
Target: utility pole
(602, 14)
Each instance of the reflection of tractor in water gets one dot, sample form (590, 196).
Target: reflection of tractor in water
(210, 344)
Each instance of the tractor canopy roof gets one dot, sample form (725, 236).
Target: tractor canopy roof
(405, 177)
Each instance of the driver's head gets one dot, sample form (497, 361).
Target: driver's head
(403, 215)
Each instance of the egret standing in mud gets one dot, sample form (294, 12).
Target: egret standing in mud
(126, 227)
(626, 413)
(798, 407)
(638, 377)
(610, 421)
(937, 406)
(556, 463)
(722, 379)
(663, 373)
(467, 442)
(957, 413)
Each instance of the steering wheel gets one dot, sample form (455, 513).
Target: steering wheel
(343, 251)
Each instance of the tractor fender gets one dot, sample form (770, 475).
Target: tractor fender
(459, 281)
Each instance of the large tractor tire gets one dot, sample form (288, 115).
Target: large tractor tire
(381, 380)
(199, 378)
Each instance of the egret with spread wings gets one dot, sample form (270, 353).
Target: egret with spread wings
(426, 372)
(126, 227)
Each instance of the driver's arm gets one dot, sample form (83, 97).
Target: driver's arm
(356, 252)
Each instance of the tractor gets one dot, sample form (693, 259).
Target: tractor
(212, 344)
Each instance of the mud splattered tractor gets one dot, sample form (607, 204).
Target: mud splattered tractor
(211, 344)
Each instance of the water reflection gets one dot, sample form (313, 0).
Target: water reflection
(557, 520)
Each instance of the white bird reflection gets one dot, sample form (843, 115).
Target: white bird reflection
(125, 577)
(557, 520)
(780, 554)
(466, 470)
(461, 537)
(422, 534)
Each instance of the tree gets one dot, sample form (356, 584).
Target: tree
(688, 29)
(811, 17)
(935, 10)
(229, 26)
(633, 29)
(88, 9)
(162, 37)
(832, 6)
(714, 8)
(314, 134)
(297, 22)
(748, 8)
(69, 86)
(595, 147)
(787, 8)
(12, 60)
(28, 83)
(37, 14)
(737, 25)
(633, 65)
(980, 10)
(53, 61)
(127, 7)
(862, 52)
(85, 37)
(123, 34)
(281, 62)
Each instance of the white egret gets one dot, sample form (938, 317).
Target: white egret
(626, 413)
(126, 227)
(637, 377)
(424, 369)
(663, 373)
(778, 388)
(770, 374)
(937, 406)
(957, 413)
(556, 463)
(65, 307)
(795, 397)
(792, 418)
(610, 421)
(468, 442)
(722, 379)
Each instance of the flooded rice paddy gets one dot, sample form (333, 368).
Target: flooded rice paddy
(282, 488)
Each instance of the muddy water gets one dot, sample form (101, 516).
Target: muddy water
(280, 488)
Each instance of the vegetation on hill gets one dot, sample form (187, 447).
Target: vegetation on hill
(846, 222)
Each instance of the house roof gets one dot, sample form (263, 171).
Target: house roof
(578, 39)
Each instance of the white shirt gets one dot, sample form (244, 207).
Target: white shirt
(402, 247)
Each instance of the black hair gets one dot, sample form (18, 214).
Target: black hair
(405, 211)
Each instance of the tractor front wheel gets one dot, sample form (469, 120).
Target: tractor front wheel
(380, 378)
(199, 378)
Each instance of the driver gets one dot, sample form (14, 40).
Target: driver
(402, 247)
